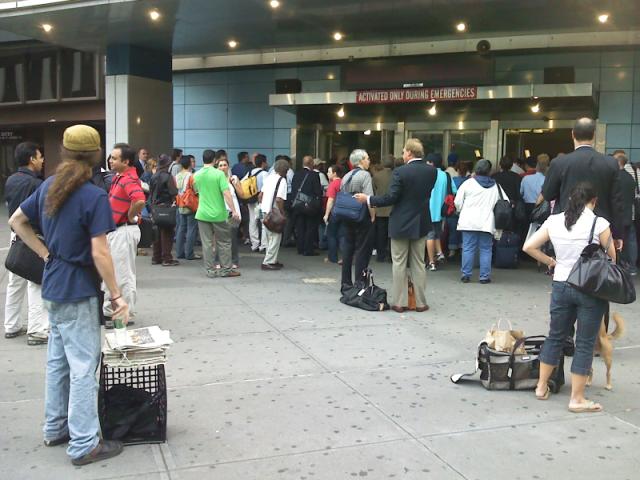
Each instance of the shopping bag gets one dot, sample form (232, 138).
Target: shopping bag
(503, 340)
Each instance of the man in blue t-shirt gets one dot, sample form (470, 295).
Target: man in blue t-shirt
(74, 216)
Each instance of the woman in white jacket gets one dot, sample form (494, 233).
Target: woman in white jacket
(475, 201)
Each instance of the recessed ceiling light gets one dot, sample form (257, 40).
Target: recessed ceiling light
(274, 3)
(47, 27)
(367, 132)
(232, 44)
(331, 76)
(154, 15)
(461, 27)
(337, 36)
(535, 108)
(432, 111)
(340, 112)
(603, 17)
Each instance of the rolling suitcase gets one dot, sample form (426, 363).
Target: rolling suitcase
(507, 251)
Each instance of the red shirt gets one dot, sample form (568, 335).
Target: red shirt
(333, 188)
(125, 190)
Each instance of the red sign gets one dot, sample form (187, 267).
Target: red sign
(406, 95)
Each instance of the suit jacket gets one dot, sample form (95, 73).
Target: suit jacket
(381, 183)
(586, 165)
(409, 193)
(311, 187)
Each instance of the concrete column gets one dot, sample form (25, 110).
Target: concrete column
(139, 98)
(601, 136)
(399, 139)
(491, 144)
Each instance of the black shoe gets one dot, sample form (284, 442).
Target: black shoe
(485, 281)
(105, 449)
(57, 441)
(465, 279)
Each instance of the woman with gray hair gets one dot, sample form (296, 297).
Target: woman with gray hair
(358, 236)
(475, 201)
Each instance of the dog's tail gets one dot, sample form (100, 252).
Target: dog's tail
(619, 331)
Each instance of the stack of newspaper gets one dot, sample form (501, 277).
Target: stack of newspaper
(141, 346)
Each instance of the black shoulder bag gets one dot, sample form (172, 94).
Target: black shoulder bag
(164, 216)
(24, 262)
(595, 274)
(305, 204)
(503, 212)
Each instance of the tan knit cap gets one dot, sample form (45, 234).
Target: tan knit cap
(81, 138)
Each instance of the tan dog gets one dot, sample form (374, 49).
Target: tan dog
(604, 346)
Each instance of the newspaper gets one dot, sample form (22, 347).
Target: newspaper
(143, 346)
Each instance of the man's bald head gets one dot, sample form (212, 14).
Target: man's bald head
(584, 130)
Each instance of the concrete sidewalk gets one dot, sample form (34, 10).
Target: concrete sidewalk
(272, 378)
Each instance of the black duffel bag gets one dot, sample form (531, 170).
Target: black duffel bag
(365, 294)
(24, 262)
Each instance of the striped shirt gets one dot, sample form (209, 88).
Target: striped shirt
(125, 190)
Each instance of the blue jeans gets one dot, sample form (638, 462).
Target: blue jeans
(186, 235)
(454, 234)
(630, 248)
(333, 239)
(567, 305)
(472, 241)
(71, 394)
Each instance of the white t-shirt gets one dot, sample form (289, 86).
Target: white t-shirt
(568, 245)
(269, 188)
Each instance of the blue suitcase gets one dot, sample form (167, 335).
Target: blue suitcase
(507, 252)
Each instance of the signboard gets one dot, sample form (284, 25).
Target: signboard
(408, 95)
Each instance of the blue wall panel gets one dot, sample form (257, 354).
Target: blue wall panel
(213, 139)
(619, 136)
(615, 107)
(206, 116)
(203, 94)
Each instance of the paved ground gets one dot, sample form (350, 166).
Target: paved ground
(271, 377)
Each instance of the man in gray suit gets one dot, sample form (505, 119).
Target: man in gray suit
(409, 223)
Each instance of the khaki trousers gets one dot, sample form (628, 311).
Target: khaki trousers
(411, 252)
(123, 244)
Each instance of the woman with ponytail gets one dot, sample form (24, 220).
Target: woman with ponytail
(74, 216)
(570, 232)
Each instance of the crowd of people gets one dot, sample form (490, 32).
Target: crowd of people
(85, 223)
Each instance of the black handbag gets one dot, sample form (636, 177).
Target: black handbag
(24, 262)
(540, 212)
(503, 212)
(346, 207)
(306, 204)
(164, 216)
(595, 274)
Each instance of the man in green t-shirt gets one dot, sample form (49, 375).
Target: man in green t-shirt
(213, 192)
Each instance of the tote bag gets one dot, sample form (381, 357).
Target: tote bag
(596, 275)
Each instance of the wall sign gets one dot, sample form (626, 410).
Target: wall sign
(407, 95)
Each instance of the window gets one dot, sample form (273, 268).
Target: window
(432, 142)
(78, 74)
(11, 79)
(42, 76)
(465, 144)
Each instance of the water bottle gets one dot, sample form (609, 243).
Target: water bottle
(120, 330)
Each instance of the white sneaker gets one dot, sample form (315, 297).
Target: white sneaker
(375, 252)
(432, 267)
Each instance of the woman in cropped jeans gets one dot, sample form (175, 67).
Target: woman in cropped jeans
(569, 233)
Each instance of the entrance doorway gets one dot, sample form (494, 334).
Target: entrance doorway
(522, 143)
(336, 145)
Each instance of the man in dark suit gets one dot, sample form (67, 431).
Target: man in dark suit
(409, 223)
(585, 164)
(306, 181)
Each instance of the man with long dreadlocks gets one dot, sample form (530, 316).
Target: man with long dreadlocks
(74, 216)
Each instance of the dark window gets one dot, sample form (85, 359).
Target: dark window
(42, 76)
(78, 74)
(11, 79)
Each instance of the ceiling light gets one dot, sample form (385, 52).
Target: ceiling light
(603, 17)
(461, 27)
(432, 111)
(340, 112)
(154, 15)
(274, 3)
(535, 108)
(47, 27)
(337, 36)
(367, 132)
(331, 76)
(232, 44)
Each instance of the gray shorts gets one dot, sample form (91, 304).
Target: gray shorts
(435, 232)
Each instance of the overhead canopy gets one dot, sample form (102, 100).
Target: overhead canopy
(201, 27)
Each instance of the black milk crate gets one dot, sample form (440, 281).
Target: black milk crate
(145, 422)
